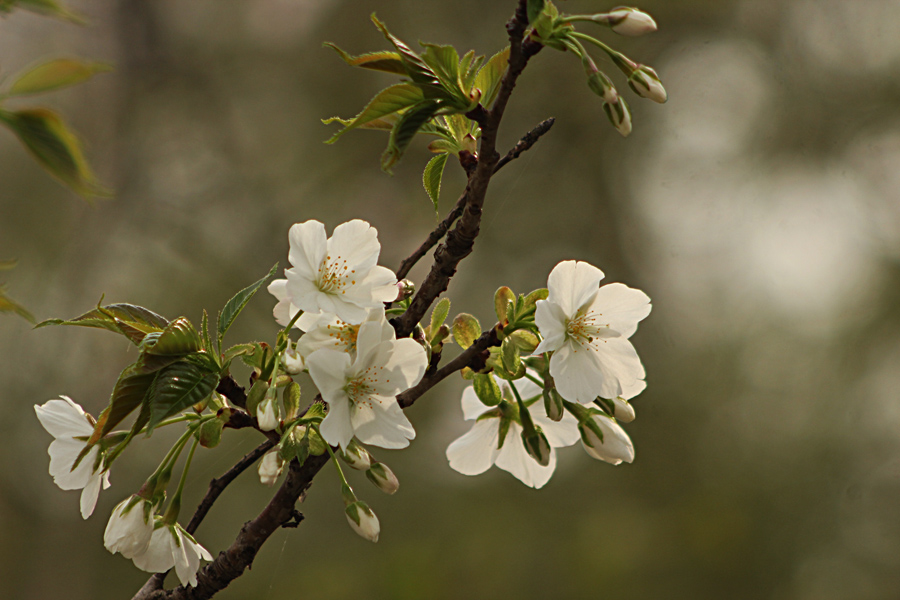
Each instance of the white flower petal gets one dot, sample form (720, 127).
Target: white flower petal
(328, 369)
(474, 452)
(472, 407)
(63, 453)
(308, 247)
(89, 495)
(560, 433)
(336, 428)
(357, 243)
(186, 561)
(621, 307)
(63, 418)
(632, 389)
(381, 422)
(577, 374)
(158, 557)
(551, 322)
(404, 368)
(514, 459)
(571, 283)
(128, 532)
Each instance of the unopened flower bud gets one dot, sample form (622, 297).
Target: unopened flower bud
(270, 468)
(405, 289)
(605, 440)
(363, 520)
(553, 404)
(628, 21)
(211, 431)
(356, 456)
(537, 446)
(383, 478)
(624, 412)
(619, 115)
(646, 84)
(292, 361)
(267, 414)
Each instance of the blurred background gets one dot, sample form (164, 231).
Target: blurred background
(758, 208)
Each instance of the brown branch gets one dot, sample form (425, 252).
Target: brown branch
(527, 141)
(461, 238)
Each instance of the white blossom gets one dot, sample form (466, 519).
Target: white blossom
(66, 421)
(267, 414)
(292, 361)
(646, 84)
(587, 327)
(477, 450)
(326, 330)
(363, 520)
(338, 275)
(361, 392)
(130, 527)
(270, 468)
(172, 546)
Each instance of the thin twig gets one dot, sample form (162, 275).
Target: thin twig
(527, 141)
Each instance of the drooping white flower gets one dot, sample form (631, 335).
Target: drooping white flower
(326, 330)
(66, 421)
(267, 414)
(270, 468)
(477, 450)
(130, 527)
(587, 327)
(172, 546)
(361, 392)
(338, 275)
(612, 445)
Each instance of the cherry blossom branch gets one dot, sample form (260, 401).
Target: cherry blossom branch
(527, 141)
(461, 239)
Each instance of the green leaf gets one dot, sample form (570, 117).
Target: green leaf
(488, 78)
(238, 350)
(134, 322)
(129, 392)
(509, 352)
(236, 304)
(7, 265)
(56, 74)
(46, 7)
(431, 178)
(176, 341)
(404, 131)
(55, 147)
(503, 297)
(532, 298)
(389, 62)
(176, 388)
(468, 69)
(417, 70)
(487, 390)
(8, 305)
(534, 9)
(466, 329)
(204, 332)
(439, 314)
(387, 101)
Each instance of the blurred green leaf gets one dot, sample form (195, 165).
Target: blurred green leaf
(8, 305)
(46, 7)
(431, 178)
(176, 388)
(389, 62)
(134, 322)
(387, 101)
(466, 330)
(6, 265)
(236, 304)
(55, 147)
(404, 131)
(488, 78)
(56, 74)
(416, 68)
(534, 9)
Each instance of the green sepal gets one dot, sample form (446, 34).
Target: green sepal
(432, 175)
(236, 304)
(466, 329)
(486, 389)
(134, 322)
(55, 74)
(388, 62)
(56, 148)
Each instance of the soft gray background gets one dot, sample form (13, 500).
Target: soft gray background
(758, 208)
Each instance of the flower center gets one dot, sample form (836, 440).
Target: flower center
(584, 328)
(343, 334)
(335, 275)
(361, 389)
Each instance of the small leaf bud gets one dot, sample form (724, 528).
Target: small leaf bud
(256, 395)
(295, 445)
(270, 468)
(363, 520)
(356, 456)
(405, 289)
(383, 478)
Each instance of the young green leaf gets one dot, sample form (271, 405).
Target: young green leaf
(46, 7)
(439, 314)
(54, 75)
(486, 389)
(488, 78)
(236, 304)
(55, 147)
(509, 353)
(466, 330)
(502, 299)
(129, 392)
(534, 9)
(204, 332)
(431, 178)
(176, 388)
(134, 322)
(9, 305)
(176, 341)
(389, 62)
(387, 101)
(419, 72)
(404, 131)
